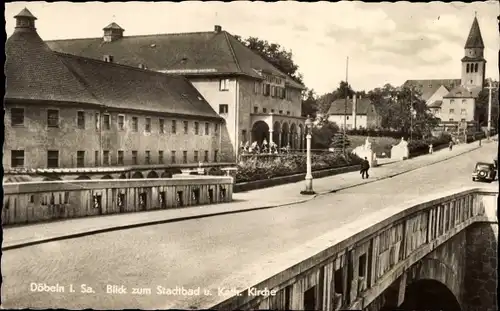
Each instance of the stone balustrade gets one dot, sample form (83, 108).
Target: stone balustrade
(354, 265)
(30, 202)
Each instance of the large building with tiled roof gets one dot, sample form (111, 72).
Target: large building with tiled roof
(64, 111)
(454, 100)
(361, 113)
(257, 100)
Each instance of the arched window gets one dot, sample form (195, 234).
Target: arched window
(468, 68)
(476, 67)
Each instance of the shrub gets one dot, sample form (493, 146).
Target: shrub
(215, 171)
(290, 164)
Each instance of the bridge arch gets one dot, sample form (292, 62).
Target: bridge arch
(107, 177)
(122, 176)
(428, 294)
(83, 177)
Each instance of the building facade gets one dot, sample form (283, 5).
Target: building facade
(64, 111)
(361, 113)
(256, 100)
(454, 100)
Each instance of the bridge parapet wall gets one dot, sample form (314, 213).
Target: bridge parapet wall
(29, 202)
(356, 263)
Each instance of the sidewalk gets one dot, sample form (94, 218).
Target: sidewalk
(21, 236)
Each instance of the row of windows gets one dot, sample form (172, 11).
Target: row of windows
(17, 119)
(271, 90)
(265, 88)
(17, 157)
(463, 101)
(472, 67)
(264, 110)
(451, 119)
(462, 111)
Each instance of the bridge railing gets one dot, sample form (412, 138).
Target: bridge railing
(356, 263)
(29, 202)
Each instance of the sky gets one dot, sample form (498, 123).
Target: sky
(385, 42)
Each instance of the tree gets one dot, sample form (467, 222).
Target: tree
(323, 133)
(326, 100)
(482, 106)
(275, 54)
(340, 139)
(309, 104)
(403, 109)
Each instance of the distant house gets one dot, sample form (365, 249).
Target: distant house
(256, 100)
(359, 113)
(454, 100)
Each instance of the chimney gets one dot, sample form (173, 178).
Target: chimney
(354, 107)
(217, 28)
(112, 32)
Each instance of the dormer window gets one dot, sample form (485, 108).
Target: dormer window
(108, 58)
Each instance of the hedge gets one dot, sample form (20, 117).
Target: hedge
(419, 147)
(290, 164)
(381, 133)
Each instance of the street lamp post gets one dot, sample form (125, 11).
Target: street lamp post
(309, 178)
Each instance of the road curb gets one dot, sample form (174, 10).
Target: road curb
(176, 219)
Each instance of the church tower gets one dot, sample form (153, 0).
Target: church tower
(473, 63)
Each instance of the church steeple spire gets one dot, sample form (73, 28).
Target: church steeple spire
(474, 40)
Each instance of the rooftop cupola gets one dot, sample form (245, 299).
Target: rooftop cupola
(25, 21)
(113, 32)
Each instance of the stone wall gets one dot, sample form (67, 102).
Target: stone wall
(34, 202)
(482, 267)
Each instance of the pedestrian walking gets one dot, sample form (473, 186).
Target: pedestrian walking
(450, 145)
(365, 166)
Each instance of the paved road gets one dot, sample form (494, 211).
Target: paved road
(203, 252)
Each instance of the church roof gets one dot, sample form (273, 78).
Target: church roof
(429, 86)
(474, 40)
(213, 53)
(363, 105)
(463, 92)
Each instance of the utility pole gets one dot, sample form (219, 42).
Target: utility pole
(345, 104)
(411, 114)
(489, 87)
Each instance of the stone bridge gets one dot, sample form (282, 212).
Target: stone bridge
(430, 254)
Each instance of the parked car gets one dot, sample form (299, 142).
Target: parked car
(484, 172)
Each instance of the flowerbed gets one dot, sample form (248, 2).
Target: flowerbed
(421, 146)
(290, 164)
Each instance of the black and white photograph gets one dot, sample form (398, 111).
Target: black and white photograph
(251, 156)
